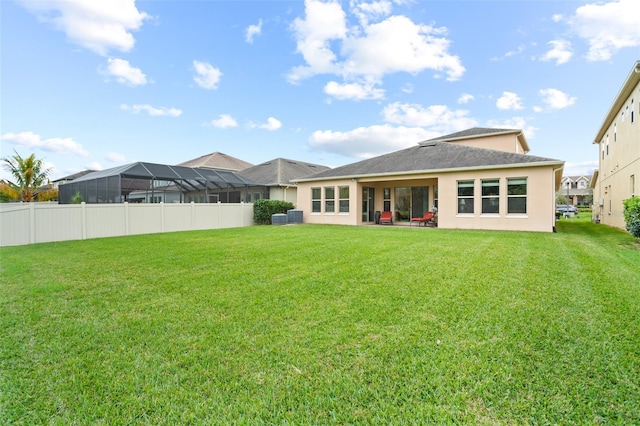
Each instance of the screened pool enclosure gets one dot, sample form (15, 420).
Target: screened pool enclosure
(155, 183)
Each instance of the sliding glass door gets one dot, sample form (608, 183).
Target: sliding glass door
(410, 202)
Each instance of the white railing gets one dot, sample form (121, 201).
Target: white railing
(30, 223)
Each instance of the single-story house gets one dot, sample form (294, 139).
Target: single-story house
(278, 176)
(476, 179)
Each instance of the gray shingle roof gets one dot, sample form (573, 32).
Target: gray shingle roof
(281, 171)
(474, 132)
(217, 160)
(432, 156)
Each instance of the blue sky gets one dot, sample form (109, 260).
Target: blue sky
(95, 84)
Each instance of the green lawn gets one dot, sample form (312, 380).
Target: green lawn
(324, 325)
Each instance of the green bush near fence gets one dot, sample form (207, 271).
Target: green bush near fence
(264, 209)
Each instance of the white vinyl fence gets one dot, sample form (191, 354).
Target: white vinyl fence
(29, 223)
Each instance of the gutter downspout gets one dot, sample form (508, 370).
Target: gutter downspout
(554, 197)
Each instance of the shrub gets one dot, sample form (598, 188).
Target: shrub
(632, 215)
(77, 198)
(263, 209)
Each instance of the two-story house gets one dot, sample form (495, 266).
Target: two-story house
(576, 190)
(618, 140)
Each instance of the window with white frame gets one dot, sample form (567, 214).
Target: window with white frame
(329, 199)
(343, 194)
(517, 195)
(465, 196)
(490, 195)
(316, 200)
(633, 185)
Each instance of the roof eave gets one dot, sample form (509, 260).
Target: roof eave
(632, 79)
(435, 171)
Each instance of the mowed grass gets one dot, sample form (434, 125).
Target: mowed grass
(323, 325)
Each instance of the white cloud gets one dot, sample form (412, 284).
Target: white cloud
(151, 110)
(368, 50)
(252, 31)
(224, 121)
(580, 169)
(207, 76)
(607, 27)
(438, 118)
(557, 17)
(556, 99)
(271, 124)
(94, 165)
(465, 98)
(323, 23)
(96, 25)
(509, 101)
(370, 11)
(32, 140)
(560, 52)
(353, 91)
(124, 72)
(367, 142)
(115, 157)
(514, 123)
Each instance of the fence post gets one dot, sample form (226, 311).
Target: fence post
(126, 218)
(32, 222)
(83, 206)
(162, 216)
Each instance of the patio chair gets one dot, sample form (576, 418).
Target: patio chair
(426, 218)
(386, 217)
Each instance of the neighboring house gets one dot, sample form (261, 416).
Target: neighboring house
(154, 183)
(278, 175)
(70, 178)
(477, 179)
(218, 161)
(576, 190)
(618, 174)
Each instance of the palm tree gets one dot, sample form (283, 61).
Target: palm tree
(28, 173)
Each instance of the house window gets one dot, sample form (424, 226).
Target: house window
(343, 193)
(329, 199)
(615, 132)
(386, 195)
(490, 195)
(632, 110)
(517, 195)
(633, 185)
(316, 201)
(465, 196)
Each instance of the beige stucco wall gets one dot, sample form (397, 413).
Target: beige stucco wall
(540, 214)
(620, 166)
(289, 193)
(540, 199)
(508, 143)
